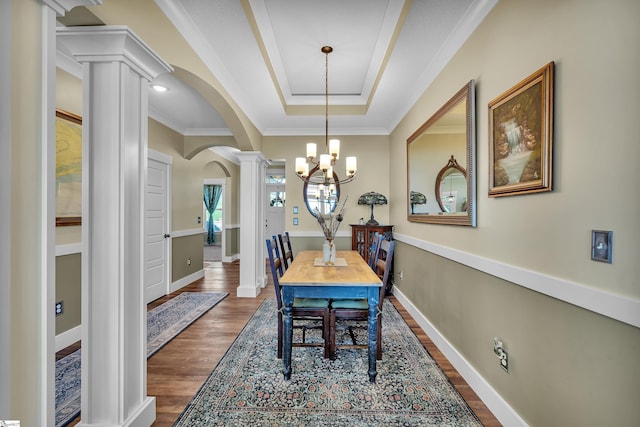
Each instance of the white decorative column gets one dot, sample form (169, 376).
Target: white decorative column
(5, 210)
(253, 166)
(117, 67)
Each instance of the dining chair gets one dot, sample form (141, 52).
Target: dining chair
(304, 309)
(374, 249)
(358, 309)
(285, 249)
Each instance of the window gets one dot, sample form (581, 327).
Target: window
(277, 199)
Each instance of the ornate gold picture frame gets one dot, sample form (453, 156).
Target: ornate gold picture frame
(521, 136)
(68, 168)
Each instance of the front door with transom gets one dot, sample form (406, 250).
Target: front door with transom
(276, 202)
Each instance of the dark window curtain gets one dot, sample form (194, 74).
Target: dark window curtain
(211, 198)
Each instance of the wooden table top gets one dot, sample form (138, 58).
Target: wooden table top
(302, 272)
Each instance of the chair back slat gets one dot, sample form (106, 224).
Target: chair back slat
(375, 248)
(276, 267)
(383, 264)
(285, 249)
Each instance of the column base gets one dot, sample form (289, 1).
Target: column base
(143, 417)
(247, 291)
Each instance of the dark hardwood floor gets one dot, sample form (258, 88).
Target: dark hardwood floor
(176, 372)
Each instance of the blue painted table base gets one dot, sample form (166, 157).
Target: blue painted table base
(371, 293)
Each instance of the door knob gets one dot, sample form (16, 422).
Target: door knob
(166, 236)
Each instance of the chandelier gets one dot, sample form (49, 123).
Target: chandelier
(325, 162)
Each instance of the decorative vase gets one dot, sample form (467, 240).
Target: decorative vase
(328, 252)
(332, 253)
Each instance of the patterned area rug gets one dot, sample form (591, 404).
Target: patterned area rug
(164, 323)
(247, 386)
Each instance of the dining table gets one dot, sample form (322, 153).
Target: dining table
(349, 277)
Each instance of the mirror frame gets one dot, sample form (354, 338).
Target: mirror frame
(305, 187)
(451, 164)
(466, 93)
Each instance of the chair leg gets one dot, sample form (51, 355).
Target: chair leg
(326, 328)
(332, 334)
(379, 349)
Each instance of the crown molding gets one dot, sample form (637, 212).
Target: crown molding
(61, 7)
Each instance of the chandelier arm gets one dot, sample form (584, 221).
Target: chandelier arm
(319, 179)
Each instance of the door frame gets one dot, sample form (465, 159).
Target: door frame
(168, 162)
(223, 240)
(276, 166)
(282, 212)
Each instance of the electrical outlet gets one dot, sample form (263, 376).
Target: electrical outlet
(188, 261)
(503, 357)
(504, 361)
(59, 308)
(401, 275)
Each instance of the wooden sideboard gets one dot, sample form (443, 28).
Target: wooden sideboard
(362, 238)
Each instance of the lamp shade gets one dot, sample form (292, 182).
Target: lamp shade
(417, 198)
(372, 198)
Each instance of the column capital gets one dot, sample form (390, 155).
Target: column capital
(111, 44)
(248, 156)
(61, 7)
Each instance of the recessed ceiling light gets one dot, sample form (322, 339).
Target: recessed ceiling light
(159, 88)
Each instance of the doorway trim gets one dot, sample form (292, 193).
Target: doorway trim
(223, 238)
(275, 167)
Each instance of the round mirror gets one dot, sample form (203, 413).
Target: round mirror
(318, 197)
(451, 188)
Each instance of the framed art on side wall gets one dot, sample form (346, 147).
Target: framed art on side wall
(68, 168)
(521, 136)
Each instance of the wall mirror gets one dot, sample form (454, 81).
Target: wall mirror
(319, 197)
(441, 164)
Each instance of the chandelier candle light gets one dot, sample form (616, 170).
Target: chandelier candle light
(325, 162)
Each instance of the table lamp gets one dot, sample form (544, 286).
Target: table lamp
(372, 198)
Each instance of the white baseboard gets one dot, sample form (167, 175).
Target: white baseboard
(496, 404)
(67, 338)
(70, 249)
(185, 233)
(186, 280)
(231, 258)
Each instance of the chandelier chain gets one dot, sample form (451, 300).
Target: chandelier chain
(326, 97)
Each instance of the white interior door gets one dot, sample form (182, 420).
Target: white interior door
(276, 200)
(156, 231)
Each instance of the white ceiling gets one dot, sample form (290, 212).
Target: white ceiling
(266, 53)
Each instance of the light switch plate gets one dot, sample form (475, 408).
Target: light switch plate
(601, 245)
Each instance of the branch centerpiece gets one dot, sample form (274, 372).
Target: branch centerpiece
(330, 222)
